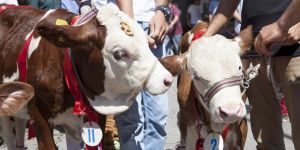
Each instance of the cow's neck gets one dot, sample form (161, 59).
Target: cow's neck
(85, 62)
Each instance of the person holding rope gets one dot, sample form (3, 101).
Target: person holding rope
(279, 30)
(275, 72)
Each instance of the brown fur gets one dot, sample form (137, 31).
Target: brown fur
(45, 66)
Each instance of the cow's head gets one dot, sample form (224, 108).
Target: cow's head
(113, 58)
(216, 70)
(13, 96)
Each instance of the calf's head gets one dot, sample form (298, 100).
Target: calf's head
(216, 70)
(113, 58)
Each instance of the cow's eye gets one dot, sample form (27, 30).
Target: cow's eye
(119, 54)
(196, 77)
(240, 67)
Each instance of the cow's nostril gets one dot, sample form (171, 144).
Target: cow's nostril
(230, 111)
(223, 114)
(168, 81)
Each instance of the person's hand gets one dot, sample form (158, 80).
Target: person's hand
(269, 35)
(170, 27)
(293, 35)
(158, 28)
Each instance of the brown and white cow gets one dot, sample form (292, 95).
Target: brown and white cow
(209, 87)
(113, 63)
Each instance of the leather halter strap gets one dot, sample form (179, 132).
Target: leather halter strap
(228, 82)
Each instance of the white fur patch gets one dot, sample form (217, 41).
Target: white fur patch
(33, 45)
(213, 59)
(124, 78)
(12, 78)
(191, 36)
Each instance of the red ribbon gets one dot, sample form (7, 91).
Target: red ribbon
(199, 144)
(22, 59)
(80, 107)
(198, 34)
(22, 66)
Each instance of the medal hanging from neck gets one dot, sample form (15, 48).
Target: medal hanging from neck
(213, 141)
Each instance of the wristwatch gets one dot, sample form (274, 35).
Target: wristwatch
(165, 9)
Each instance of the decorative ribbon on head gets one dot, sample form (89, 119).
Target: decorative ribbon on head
(85, 17)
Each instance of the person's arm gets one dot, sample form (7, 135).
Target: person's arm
(174, 21)
(158, 24)
(126, 7)
(223, 14)
(290, 17)
(176, 14)
(277, 32)
(293, 35)
(237, 16)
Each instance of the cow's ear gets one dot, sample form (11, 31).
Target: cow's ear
(245, 40)
(13, 96)
(175, 64)
(66, 35)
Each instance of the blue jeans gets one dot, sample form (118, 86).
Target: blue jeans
(169, 41)
(212, 7)
(141, 127)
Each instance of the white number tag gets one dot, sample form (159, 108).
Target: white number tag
(91, 134)
(213, 141)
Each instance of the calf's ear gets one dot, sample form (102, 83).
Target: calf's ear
(67, 35)
(13, 96)
(175, 64)
(245, 39)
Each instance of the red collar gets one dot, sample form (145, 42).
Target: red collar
(72, 81)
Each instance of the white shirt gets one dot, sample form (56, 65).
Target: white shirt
(195, 12)
(143, 10)
(102, 2)
(14, 2)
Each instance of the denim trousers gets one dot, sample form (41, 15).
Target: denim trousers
(169, 41)
(141, 127)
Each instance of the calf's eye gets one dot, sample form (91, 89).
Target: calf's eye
(119, 54)
(196, 77)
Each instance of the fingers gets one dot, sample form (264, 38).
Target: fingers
(261, 46)
(158, 31)
(289, 41)
(163, 33)
(151, 42)
(152, 29)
